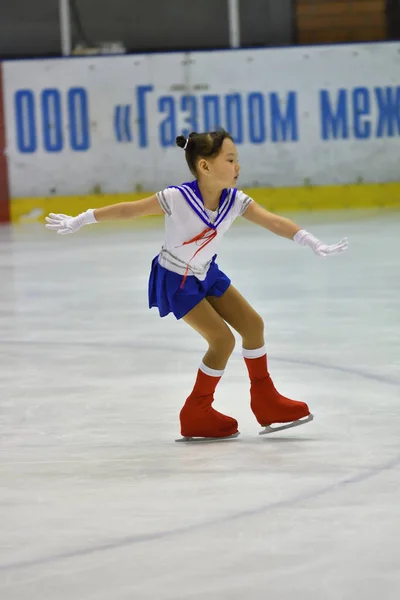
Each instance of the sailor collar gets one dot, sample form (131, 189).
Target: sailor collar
(191, 193)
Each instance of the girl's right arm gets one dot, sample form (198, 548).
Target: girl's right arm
(129, 210)
(64, 224)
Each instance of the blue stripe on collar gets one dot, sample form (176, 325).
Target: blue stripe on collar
(200, 212)
(228, 205)
(198, 201)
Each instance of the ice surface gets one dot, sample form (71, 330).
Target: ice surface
(97, 501)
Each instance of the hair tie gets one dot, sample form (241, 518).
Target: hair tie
(187, 142)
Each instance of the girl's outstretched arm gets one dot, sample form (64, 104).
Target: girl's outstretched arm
(288, 229)
(279, 225)
(65, 224)
(130, 210)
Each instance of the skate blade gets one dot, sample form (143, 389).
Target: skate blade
(200, 440)
(269, 429)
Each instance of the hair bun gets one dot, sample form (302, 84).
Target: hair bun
(181, 141)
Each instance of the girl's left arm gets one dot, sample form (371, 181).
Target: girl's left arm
(275, 223)
(288, 229)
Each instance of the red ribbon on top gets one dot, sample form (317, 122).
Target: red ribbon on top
(205, 237)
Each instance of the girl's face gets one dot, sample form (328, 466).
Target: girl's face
(223, 170)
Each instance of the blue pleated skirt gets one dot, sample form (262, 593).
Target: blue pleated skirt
(166, 294)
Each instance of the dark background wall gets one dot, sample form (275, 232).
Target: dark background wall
(29, 28)
(267, 22)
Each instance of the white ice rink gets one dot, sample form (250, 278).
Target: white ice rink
(97, 501)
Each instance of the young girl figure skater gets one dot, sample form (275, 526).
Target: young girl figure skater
(186, 280)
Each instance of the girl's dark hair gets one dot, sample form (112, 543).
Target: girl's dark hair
(202, 145)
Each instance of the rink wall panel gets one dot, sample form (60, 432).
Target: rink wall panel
(342, 197)
(315, 127)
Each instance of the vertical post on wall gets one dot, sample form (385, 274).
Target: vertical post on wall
(4, 190)
(295, 35)
(65, 27)
(234, 23)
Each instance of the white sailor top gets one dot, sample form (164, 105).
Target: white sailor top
(192, 232)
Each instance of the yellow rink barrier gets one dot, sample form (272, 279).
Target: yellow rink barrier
(337, 197)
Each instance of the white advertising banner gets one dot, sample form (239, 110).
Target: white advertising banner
(300, 116)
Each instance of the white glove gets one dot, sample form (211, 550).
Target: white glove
(307, 239)
(64, 224)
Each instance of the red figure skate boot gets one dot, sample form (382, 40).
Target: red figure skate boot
(267, 404)
(198, 418)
